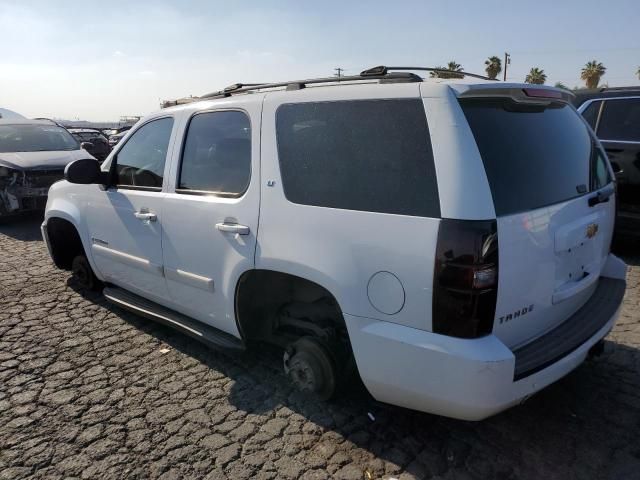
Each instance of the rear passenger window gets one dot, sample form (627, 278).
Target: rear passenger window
(590, 114)
(367, 155)
(217, 154)
(620, 120)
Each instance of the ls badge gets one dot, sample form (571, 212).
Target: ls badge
(592, 229)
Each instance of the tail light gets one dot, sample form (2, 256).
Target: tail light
(465, 286)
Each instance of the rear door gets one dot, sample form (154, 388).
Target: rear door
(211, 212)
(544, 170)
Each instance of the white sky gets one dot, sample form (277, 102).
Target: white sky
(100, 60)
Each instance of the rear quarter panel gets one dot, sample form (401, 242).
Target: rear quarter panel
(342, 249)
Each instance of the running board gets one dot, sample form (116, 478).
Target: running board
(206, 334)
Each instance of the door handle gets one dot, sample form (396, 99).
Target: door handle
(233, 228)
(146, 216)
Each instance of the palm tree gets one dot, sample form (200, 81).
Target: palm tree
(638, 72)
(537, 76)
(493, 66)
(592, 72)
(561, 85)
(451, 66)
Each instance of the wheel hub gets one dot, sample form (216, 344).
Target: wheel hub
(310, 368)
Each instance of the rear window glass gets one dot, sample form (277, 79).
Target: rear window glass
(534, 156)
(368, 155)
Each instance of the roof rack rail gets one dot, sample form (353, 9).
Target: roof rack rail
(380, 72)
(298, 84)
(607, 89)
(383, 70)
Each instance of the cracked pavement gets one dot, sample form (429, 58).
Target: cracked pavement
(90, 391)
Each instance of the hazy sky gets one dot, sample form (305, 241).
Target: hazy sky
(100, 60)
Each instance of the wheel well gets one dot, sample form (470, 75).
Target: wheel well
(278, 308)
(64, 241)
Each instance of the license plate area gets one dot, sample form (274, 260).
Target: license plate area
(577, 251)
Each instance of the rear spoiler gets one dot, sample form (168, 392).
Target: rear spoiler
(527, 94)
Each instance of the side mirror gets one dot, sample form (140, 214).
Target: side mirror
(84, 172)
(86, 145)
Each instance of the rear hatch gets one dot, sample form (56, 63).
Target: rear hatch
(551, 187)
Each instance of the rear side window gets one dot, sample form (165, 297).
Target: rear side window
(620, 120)
(367, 155)
(217, 154)
(534, 156)
(590, 114)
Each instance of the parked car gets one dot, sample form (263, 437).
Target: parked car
(93, 141)
(33, 155)
(614, 114)
(113, 131)
(115, 138)
(449, 238)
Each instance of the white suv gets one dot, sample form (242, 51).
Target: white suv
(449, 236)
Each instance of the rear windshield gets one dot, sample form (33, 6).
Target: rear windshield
(534, 156)
(35, 138)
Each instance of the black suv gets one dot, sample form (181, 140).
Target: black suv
(614, 114)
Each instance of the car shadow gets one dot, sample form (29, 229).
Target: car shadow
(24, 227)
(583, 426)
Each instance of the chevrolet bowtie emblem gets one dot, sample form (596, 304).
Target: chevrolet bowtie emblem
(592, 229)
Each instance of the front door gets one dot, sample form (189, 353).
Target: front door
(211, 214)
(125, 221)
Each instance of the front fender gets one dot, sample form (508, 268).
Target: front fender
(66, 202)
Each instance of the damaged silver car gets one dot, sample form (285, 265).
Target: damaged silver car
(33, 155)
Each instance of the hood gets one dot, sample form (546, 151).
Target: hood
(41, 160)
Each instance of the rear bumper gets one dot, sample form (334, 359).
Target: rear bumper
(460, 378)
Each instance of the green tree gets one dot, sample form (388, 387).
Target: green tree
(638, 73)
(452, 66)
(493, 67)
(561, 85)
(536, 75)
(592, 73)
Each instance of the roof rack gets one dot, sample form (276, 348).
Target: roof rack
(376, 73)
(299, 84)
(608, 89)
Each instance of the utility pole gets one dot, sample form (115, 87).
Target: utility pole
(507, 61)
(338, 72)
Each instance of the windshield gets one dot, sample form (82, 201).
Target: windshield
(35, 138)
